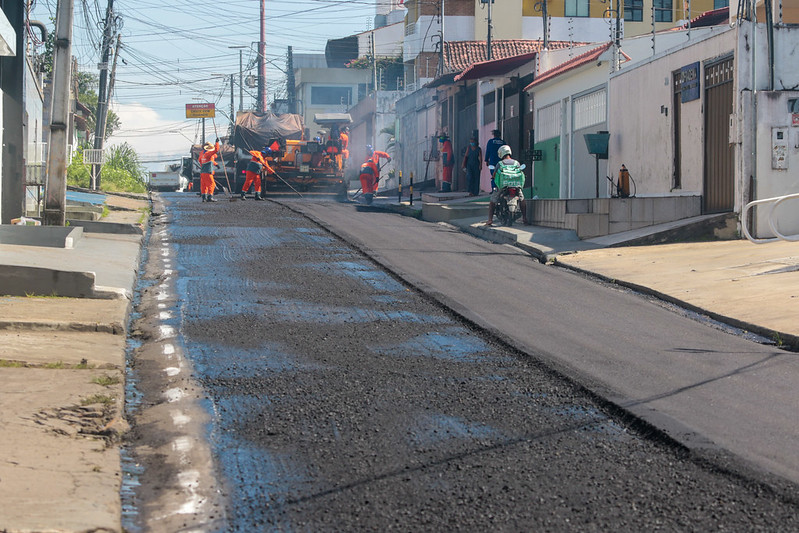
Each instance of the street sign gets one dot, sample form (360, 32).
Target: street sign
(205, 110)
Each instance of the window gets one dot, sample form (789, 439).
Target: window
(548, 125)
(633, 10)
(489, 108)
(590, 110)
(663, 10)
(576, 8)
(331, 95)
(718, 4)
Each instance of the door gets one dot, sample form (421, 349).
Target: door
(719, 175)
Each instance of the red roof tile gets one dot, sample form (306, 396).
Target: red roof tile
(715, 17)
(460, 55)
(573, 63)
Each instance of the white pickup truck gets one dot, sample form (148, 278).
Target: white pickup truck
(166, 181)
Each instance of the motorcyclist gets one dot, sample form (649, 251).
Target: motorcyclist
(370, 172)
(501, 180)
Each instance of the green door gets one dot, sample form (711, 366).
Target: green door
(546, 180)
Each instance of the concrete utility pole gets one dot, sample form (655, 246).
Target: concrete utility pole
(56, 190)
(488, 37)
(291, 89)
(262, 61)
(102, 93)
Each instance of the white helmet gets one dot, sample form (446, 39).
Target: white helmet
(503, 151)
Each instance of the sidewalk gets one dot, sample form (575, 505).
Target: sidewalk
(749, 286)
(62, 375)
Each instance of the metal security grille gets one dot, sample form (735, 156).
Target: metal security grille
(590, 109)
(548, 122)
(719, 175)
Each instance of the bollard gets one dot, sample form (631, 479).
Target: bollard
(410, 190)
(399, 189)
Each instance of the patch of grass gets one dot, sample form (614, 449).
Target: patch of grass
(8, 363)
(55, 366)
(106, 211)
(97, 398)
(145, 213)
(106, 381)
(61, 365)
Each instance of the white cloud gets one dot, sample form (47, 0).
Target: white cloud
(156, 139)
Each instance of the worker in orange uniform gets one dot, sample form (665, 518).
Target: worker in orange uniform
(370, 173)
(448, 161)
(253, 173)
(345, 142)
(207, 163)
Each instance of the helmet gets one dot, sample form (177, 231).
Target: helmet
(369, 149)
(503, 151)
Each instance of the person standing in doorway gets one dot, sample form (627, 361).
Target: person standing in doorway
(472, 164)
(448, 161)
(491, 153)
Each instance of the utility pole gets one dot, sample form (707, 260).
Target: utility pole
(374, 61)
(546, 23)
(102, 93)
(488, 37)
(112, 78)
(291, 89)
(232, 108)
(56, 191)
(241, 75)
(441, 52)
(262, 61)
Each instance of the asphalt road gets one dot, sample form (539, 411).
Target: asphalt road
(339, 397)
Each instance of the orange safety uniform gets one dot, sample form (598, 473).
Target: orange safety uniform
(207, 161)
(253, 171)
(370, 172)
(448, 161)
(345, 142)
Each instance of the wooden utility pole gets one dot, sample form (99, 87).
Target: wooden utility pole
(56, 191)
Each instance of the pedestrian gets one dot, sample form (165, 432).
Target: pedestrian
(207, 163)
(473, 164)
(448, 161)
(253, 173)
(370, 172)
(491, 153)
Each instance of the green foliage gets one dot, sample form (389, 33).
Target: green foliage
(79, 174)
(121, 172)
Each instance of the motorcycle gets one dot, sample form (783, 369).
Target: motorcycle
(508, 209)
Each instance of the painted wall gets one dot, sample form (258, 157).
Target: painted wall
(506, 20)
(584, 29)
(641, 133)
(777, 162)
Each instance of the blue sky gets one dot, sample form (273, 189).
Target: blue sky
(173, 50)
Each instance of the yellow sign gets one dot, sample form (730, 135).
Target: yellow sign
(205, 110)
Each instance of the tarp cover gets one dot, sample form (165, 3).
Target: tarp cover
(253, 131)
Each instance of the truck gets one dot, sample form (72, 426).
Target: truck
(166, 181)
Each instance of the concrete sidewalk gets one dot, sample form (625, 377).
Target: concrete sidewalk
(750, 286)
(62, 374)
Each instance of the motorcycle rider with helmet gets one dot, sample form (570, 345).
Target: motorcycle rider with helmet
(505, 160)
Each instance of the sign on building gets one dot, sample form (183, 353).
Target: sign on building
(204, 110)
(689, 82)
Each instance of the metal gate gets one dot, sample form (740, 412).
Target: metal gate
(719, 174)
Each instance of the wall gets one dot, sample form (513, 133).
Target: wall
(773, 112)
(641, 133)
(506, 18)
(328, 77)
(416, 114)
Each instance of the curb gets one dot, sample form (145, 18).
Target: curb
(786, 341)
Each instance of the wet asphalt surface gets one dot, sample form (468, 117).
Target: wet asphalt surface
(342, 399)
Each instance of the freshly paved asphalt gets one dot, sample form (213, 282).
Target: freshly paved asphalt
(710, 390)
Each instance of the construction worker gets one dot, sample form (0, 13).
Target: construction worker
(448, 161)
(370, 172)
(253, 173)
(345, 142)
(207, 163)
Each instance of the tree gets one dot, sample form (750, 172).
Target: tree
(121, 172)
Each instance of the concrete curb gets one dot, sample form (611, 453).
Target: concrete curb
(788, 341)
